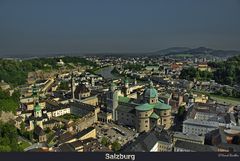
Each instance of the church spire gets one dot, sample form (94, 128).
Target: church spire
(150, 84)
(73, 87)
(35, 94)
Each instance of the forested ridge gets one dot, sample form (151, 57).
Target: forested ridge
(225, 72)
(15, 71)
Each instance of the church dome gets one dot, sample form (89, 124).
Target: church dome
(150, 92)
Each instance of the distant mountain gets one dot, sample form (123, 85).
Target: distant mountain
(196, 52)
(200, 50)
(171, 50)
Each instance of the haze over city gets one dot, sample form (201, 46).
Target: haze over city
(90, 26)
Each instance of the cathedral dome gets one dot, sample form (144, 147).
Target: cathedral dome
(150, 92)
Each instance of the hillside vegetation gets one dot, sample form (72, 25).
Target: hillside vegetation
(15, 71)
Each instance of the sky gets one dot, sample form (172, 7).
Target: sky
(98, 26)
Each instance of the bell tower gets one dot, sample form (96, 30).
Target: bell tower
(73, 86)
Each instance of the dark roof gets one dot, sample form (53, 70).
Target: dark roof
(84, 132)
(65, 137)
(54, 106)
(227, 118)
(39, 131)
(231, 147)
(164, 136)
(146, 140)
(81, 89)
(195, 147)
(66, 148)
(49, 122)
(19, 119)
(126, 108)
(89, 145)
(83, 106)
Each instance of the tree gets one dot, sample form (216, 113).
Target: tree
(181, 112)
(15, 72)
(63, 85)
(48, 130)
(5, 148)
(105, 141)
(116, 146)
(22, 127)
(227, 72)
(8, 138)
(192, 73)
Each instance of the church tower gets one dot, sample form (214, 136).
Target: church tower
(126, 83)
(92, 82)
(126, 90)
(37, 108)
(150, 94)
(73, 86)
(113, 100)
(135, 81)
(35, 94)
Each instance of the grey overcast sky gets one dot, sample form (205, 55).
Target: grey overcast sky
(97, 26)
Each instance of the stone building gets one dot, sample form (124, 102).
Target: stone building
(156, 140)
(199, 127)
(87, 113)
(143, 114)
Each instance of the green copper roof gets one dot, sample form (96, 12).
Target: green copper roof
(162, 106)
(144, 107)
(159, 105)
(160, 100)
(37, 107)
(154, 116)
(151, 92)
(123, 99)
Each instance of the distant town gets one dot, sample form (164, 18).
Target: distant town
(118, 103)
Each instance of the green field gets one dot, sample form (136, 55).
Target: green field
(221, 99)
(225, 100)
(24, 144)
